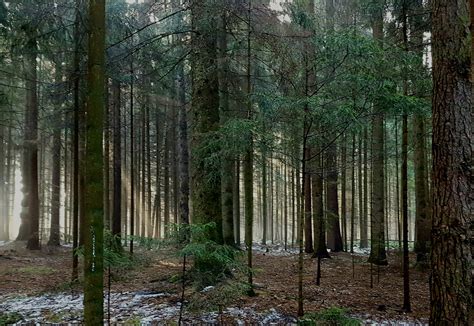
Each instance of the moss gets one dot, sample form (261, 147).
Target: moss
(35, 270)
(10, 318)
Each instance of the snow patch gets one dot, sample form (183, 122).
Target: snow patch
(127, 306)
(276, 249)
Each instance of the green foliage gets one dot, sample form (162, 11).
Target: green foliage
(329, 317)
(213, 262)
(113, 257)
(9, 318)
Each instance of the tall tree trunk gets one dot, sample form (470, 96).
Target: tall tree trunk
(248, 163)
(453, 193)
(353, 191)
(364, 217)
(158, 127)
(117, 165)
(205, 185)
(93, 162)
(237, 201)
(54, 235)
(3, 215)
(404, 180)
(344, 191)
(166, 176)
(32, 141)
(264, 198)
(378, 255)
(10, 177)
(422, 218)
(320, 249)
(132, 157)
(107, 128)
(227, 162)
(76, 143)
(143, 175)
(183, 150)
(334, 229)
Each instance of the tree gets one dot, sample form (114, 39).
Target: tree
(117, 163)
(378, 255)
(422, 218)
(93, 162)
(54, 235)
(452, 194)
(205, 182)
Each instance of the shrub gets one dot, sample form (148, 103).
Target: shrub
(329, 317)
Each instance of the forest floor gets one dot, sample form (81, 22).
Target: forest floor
(35, 287)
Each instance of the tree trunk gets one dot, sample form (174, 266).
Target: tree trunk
(54, 235)
(378, 255)
(422, 218)
(353, 191)
(183, 150)
(364, 217)
(320, 249)
(32, 141)
(237, 201)
(334, 229)
(205, 184)
(344, 191)
(227, 162)
(93, 162)
(117, 165)
(453, 193)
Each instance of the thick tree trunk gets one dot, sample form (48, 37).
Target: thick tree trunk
(205, 184)
(76, 144)
(93, 162)
(453, 193)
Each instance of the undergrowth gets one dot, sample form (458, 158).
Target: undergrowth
(329, 317)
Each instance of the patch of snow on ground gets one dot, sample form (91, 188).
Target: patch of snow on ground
(276, 249)
(369, 320)
(4, 243)
(126, 306)
(361, 251)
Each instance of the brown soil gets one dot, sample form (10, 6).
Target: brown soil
(345, 281)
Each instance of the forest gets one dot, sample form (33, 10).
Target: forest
(236, 162)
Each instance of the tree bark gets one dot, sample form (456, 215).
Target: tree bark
(453, 195)
(205, 184)
(117, 165)
(378, 255)
(93, 162)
